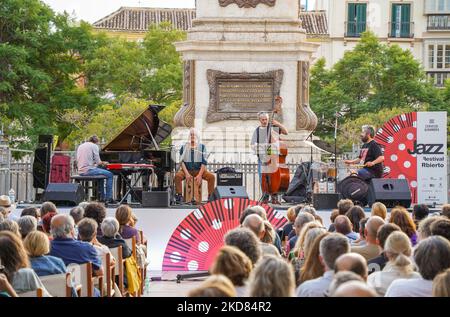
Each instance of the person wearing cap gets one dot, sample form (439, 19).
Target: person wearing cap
(5, 202)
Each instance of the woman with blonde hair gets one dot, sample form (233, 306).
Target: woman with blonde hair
(441, 284)
(380, 210)
(398, 250)
(214, 286)
(272, 277)
(312, 268)
(124, 216)
(234, 264)
(37, 246)
(401, 217)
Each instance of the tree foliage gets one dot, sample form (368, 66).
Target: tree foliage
(41, 59)
(372, 80)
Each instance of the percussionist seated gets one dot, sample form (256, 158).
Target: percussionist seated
(193, 165)
(371, 156)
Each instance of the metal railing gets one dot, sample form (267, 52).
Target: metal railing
(401, 29)
(438, 22)
(439, 78)
(354, 28)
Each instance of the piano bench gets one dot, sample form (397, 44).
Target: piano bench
(89, 182)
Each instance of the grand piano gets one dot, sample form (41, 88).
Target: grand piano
(137, 146)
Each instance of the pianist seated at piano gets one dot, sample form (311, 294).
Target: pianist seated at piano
(89, 163)
(193, 165)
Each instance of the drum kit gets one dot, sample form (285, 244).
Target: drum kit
(349, 184)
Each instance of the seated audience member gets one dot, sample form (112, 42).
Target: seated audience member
(354, 289)
(304, 244)
(77, 213)
(398, 250)
(214, 286)
(334, 214)
(378, 263)
(234, 264)
(331, 247)
(124, 217)
(401, 218)
(31, 211)
(298, 251)
(362, 238)
(424, 229)
(272, 277)
(312, 267)
(3, 213)
(97, 212)
(371, 249)
(343, 226)
(446, 210)
(300, 221)
(432, 256)
(66, 247)
(245, 240)
(48, 207)
(379, 209)
(111, 237)
(311, 210)
(352, 262)
(37, 246)
(441, 284)
(291, 216)
(87, 232)
(441, 227)
(258, 210)
(269, 233)
(11, 226)
(6, 289)
(341, 278)
(26, 224)
(419, 213)
(14, 259)
(269, 249)
(343, 206)
(46, 224)
(355, 214)
(7, 205)
(256, 224)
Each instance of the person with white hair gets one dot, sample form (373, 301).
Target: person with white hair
(111, 237)
(27, 224)
(193, 165)
(265, 137)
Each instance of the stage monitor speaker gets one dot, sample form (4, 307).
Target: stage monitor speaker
(41, 168)
(391, 192)
(325, 201)
(229, 192)
(156, 199)
(70, 194)
(230, 179)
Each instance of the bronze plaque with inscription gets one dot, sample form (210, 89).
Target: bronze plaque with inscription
(241, 96)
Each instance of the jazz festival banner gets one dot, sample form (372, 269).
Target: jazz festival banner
(415, 148)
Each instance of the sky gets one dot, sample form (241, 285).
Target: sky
(93, 10)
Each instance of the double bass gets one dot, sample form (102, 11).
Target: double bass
(275, 173)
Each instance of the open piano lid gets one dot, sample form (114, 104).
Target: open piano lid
(146, 132)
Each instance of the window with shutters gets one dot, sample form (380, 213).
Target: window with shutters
(356, 19)
(401, 25)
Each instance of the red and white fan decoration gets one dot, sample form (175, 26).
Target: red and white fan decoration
(395, 138)
(195, 242)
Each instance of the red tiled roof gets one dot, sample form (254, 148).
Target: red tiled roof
(136, 19)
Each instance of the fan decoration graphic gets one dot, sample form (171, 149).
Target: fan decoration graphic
(395, 138)
(195, 242)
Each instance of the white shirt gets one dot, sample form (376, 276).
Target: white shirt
(88, 157)
(381, 281)
(417, 287)
(317, 287)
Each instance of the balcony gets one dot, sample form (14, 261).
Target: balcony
(354, 29)
(403, 30)
(439, 78)
(438, 23)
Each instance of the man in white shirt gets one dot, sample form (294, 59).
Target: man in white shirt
(432, 257)
(331, 247)
(88, 161)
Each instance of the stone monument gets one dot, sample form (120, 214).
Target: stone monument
(239, 55)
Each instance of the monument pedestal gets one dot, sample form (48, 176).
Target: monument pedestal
(238, 58)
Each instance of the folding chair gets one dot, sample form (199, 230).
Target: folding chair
(58, 285)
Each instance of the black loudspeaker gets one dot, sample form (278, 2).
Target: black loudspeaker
(229, 192)
(391, 192)
(156, 199)
(325, 201)
(41, 167)
(230, 179)
(64, 193)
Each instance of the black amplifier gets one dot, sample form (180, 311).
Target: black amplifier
(230, 179)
